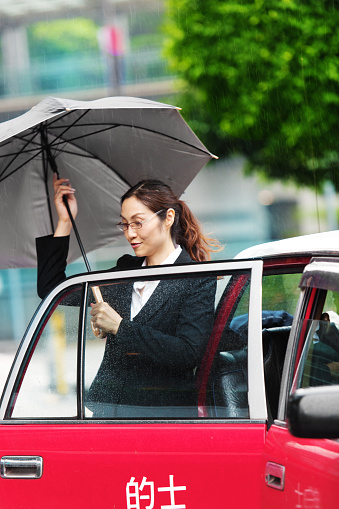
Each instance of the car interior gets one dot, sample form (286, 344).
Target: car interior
(226, 396)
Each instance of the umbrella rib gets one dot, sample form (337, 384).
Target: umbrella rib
(89, 156)
(63, 115)
(54, 144)
(17, 155)
(29, 141)
(59, 141)
(18, 168)
(27, 151)
(22, 137)
(59, 136)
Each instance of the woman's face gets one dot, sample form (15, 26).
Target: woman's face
(153, 239)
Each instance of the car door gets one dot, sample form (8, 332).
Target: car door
(304, 472)
(55, 452)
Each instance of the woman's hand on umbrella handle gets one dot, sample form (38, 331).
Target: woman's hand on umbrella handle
(98, 333)
(63, 191)
(105, 318)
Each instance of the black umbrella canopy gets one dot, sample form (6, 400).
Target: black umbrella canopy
(103, 147)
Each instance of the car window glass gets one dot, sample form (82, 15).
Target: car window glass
(280, 293)
(155, 367)
(48, 387)
(319, 363)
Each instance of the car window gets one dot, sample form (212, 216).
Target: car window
(280, 293)
(48, 387)
(153, 367)
(319, 363)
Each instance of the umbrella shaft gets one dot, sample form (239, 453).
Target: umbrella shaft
(77, 236)
(54, 168)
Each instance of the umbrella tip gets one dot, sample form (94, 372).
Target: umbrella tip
(214, 156)
(178, 108)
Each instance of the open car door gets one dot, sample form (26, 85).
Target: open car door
(58, 450)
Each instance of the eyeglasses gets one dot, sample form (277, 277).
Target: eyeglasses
(136, 225)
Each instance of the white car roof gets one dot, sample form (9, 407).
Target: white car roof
(326, 243)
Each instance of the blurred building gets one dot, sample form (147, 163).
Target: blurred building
(127, 60)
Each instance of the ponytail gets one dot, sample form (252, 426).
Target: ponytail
(186, 230)
(190, 236)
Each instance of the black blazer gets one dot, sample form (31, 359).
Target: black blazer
(151, 360)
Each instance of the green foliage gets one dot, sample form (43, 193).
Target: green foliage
(265, 76)
(61, 37)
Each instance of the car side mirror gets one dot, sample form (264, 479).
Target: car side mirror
(313, 412)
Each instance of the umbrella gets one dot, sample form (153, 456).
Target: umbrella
(103, 147)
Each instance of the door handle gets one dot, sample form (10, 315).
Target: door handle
(275, 476)
(21, 467)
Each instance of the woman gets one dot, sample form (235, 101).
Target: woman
(165, 325)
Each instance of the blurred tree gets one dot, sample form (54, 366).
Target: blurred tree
(54, 38)
(262, 78)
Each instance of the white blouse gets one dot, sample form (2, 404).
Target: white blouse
(142, 290)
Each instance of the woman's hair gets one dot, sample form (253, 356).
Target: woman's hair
(186, 230)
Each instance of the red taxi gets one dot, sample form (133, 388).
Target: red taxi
(272, 348)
